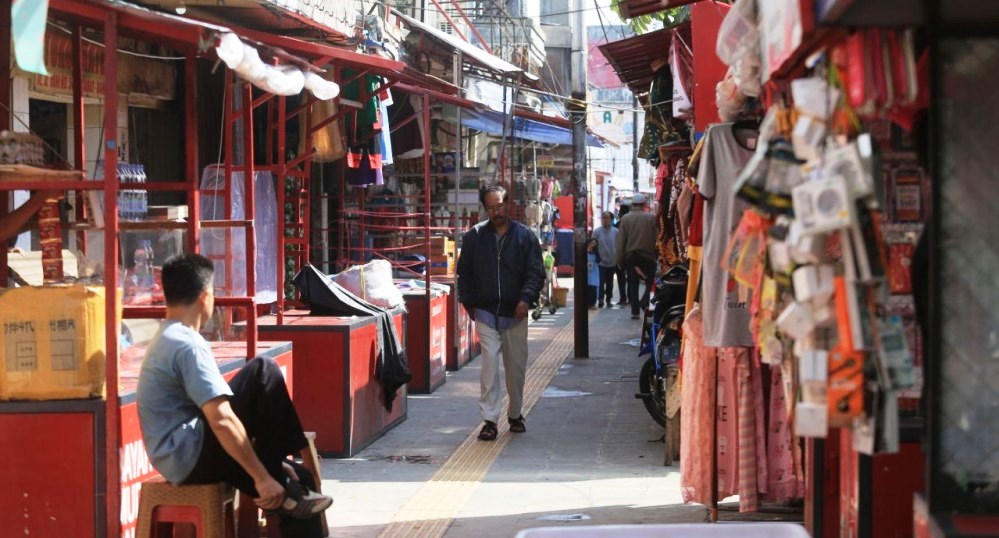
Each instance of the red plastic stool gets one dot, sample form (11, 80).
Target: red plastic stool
(208, 507)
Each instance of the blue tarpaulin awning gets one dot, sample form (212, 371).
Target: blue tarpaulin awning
(492, 122)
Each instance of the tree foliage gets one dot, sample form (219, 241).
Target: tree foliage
(647, 23)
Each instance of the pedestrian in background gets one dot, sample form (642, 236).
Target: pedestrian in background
(592, 274)
(636, 251)
(606, 237)
(500, 274)
(622, 275)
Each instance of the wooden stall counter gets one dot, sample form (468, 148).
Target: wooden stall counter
(426, 335)
(54, 477)
(336, 393)
(463, 344)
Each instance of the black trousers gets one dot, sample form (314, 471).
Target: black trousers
(606, 289)
(622, 284)
(648, 268)
(260, 399)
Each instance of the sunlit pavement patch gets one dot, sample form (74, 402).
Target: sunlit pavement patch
(554, 392)
(634, 342)
(564, 517)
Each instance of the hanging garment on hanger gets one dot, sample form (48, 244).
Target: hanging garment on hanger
(385, 136)
(726, 318)
(363, 167)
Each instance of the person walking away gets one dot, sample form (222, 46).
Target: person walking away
(622, 275)
(198, 429)
(592, 273)
(500, 274)
(636, 251)
(606, 237)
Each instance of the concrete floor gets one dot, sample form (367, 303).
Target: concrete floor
(591, 455)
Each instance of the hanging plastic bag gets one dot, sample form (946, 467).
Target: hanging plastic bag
(681, 67)
(738, 35)
(745, 254)
(373, 283)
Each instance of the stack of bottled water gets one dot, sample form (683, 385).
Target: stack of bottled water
(133, 199)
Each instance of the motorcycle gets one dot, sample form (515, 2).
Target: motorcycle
(657, 381)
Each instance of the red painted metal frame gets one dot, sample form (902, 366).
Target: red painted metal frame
(471, 26)
(451, 21)
(112, 407)
(5, 120)
(191, 152)
(79, 122)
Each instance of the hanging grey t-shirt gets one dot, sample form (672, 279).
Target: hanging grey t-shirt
(178, 376)
(726, 319)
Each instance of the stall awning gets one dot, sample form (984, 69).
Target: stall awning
(636, 59)
(492, 122)
(320, 20)
(470, 52)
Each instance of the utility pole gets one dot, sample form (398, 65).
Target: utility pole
(577, 114)
(634, 143)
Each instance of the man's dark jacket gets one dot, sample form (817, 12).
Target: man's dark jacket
(495, 276)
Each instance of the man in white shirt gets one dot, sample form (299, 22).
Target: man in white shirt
(606, 236)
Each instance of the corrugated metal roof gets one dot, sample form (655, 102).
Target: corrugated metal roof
(470, 51)
(633, 58)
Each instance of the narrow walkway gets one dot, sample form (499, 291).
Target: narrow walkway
(590, 456)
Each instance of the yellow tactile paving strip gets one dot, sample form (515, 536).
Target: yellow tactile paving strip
(431, 510)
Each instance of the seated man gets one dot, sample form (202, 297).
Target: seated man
(199, 429)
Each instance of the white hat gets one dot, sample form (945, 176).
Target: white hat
(638, 199)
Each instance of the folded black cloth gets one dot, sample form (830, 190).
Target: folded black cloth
(327, 298)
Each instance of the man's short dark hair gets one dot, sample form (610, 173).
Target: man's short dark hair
(185, 277)
(493, 188)
(607, 214)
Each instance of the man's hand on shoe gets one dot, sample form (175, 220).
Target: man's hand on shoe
(522, 309)
(271, 493)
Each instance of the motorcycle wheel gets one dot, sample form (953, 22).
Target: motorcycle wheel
(651, 384)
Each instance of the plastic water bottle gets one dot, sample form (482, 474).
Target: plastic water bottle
(143, 194)
(141, 270)
(127, 180)
(147, 246)
(122, 199)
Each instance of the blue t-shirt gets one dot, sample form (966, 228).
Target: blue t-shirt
(592, 270)
(178, 376)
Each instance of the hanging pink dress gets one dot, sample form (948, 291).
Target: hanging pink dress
(697, 394)
(784, 455)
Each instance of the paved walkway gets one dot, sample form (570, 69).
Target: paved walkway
(590, 456)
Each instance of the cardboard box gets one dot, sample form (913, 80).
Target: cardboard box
(442, 265)
(53, 343)
(440, 245)
(561, 297)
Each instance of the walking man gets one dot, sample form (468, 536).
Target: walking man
(500, 275)
(636, 251)
(198, 429)
(606, 236)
